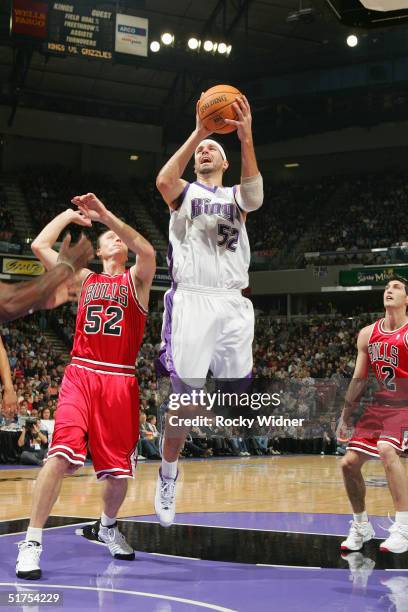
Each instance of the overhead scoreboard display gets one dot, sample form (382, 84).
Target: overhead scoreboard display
(79, 28)
(82, 28)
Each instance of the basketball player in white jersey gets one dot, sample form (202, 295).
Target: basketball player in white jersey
(208, 325)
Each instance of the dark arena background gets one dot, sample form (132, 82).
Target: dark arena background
(95, 96)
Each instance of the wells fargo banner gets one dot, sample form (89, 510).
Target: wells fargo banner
(23, 267)
(371, 276)
(30, 18)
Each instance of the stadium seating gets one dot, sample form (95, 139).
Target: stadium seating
(339, 219)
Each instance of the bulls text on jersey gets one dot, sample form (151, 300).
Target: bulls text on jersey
(106, 291)
(383, 351)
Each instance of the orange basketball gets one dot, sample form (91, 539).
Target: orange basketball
(216, 105)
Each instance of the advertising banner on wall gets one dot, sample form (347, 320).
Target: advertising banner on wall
(371, 276)
(22, 267)
(131, 35)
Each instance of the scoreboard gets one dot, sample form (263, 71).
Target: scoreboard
(82, 28)
(79, 28)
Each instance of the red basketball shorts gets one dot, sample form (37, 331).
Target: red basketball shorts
(100, 411)
(379, 423)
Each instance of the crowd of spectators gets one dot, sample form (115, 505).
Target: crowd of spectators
(342, 217)
(338, 220)
(307, 361)
(370, 213)
(36, 368)
(49, 192)
(7, 225)
(37, 371)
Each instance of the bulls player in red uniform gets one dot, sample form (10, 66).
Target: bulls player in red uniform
(382, 430)
(98, 403)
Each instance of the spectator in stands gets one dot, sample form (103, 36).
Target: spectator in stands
(148, 444)
(47, 422)
(238, 444)
(33, 443)
(151, 426)
(195, 448)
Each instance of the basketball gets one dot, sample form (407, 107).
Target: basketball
(216, 105)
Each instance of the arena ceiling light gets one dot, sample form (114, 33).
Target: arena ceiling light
(193, 43)
(167, 38)
(352, 40)
(208, 46)
(222, 48)
(134, 157)
(292, 165)
(154, 46)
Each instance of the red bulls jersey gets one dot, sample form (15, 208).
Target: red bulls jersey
(388, 354)
(109, 325)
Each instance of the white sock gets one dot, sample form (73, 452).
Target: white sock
(107, 521)
(169, 468)
(34, 534)
(361, 517)
(401, 517)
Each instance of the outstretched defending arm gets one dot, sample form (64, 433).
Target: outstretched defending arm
(19, 299)
(169, 181)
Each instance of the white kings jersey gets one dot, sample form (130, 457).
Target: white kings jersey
(209, 244)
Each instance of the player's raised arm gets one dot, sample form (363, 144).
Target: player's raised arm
(250, 191)
(42, 245)
(169, 181)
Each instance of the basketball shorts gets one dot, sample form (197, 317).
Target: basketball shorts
(380, 423)
(206, 330)
(100, 411)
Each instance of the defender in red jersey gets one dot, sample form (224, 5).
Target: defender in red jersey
(98, 406)
(382, 430)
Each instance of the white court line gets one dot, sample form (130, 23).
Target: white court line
(340, 535)
(177, 556)
(200, 604)
(3, 535)
(128, 520)
(290, 566)
(395, 570)
(78, 532)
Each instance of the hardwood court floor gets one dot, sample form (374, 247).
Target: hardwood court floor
(275, 484)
